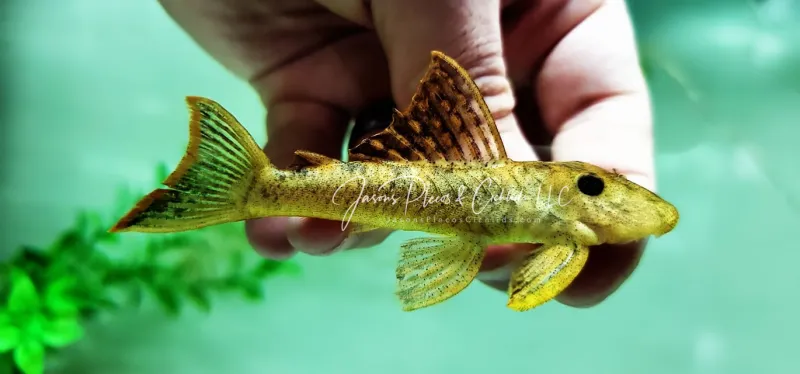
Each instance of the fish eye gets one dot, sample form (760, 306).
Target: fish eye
(590, 185)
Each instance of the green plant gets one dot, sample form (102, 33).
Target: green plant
(47, 294)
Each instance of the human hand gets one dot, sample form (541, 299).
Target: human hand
(572, 66)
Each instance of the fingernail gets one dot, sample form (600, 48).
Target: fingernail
(293, 224)
(314, 237)
(580, 301)
(268, 238)
(272, 254)
(348, 242)
(498, 274)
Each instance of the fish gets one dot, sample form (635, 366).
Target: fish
(440, 168)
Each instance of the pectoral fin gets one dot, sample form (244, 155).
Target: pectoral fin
(544, 274)
(432, 270)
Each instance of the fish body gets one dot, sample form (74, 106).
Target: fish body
(503, 200)
(440, 167)
(493, 199)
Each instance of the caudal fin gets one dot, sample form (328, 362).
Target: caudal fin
(212, 181)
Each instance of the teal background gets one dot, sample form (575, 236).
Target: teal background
(94, 99)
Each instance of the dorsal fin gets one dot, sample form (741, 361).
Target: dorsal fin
(303, 159)
(447, 120)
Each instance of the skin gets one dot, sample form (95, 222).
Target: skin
(553, 72)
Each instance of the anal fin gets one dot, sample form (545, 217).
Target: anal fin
(434, 269)
(545, 274)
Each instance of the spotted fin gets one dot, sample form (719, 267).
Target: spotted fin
(447, 120)
(434, 269)
(544, 274)
(211, 183)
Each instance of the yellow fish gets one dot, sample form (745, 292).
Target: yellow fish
(441, 168)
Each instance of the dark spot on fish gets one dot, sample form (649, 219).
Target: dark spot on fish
(590, 185)
(396, 170)
(354, 167)
(374, 118)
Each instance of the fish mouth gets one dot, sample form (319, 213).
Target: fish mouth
(597, 234)
(665, 230)
(605, 236)
(671, 217)
(661, 233)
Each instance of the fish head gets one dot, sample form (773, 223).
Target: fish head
(605, 207)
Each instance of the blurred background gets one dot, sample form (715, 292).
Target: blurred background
(93, 102)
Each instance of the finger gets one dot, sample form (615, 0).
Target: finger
(593, 97)
(605, 271)
(469, 31)
(324, 128)
(294, 125)
(309, 108)
(500, 261)
(325, 237)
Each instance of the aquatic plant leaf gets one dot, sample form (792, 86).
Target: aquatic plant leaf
(271, 267)
(9, 337)
(7, 365)
(104, 236)
(178, 240)
(91, 227)
(61, 332)
(5, 318)
(71, 244)
(51, 291)
(168, 298)
(266, 267)
(162, 172)
(135, 294)
(29, 357)
(236, 262)
(125, 197)
(93, 296)
(252, 288)
(290, 268)
(23, 296)
(199, 296)
(58, 298)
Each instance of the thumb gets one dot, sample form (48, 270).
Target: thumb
(468, 31)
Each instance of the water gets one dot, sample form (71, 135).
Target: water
(95, 96)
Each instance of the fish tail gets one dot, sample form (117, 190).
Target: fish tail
(211, 183)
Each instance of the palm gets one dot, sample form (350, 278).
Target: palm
(315, 70)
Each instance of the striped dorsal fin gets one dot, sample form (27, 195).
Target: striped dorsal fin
(447, 120)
